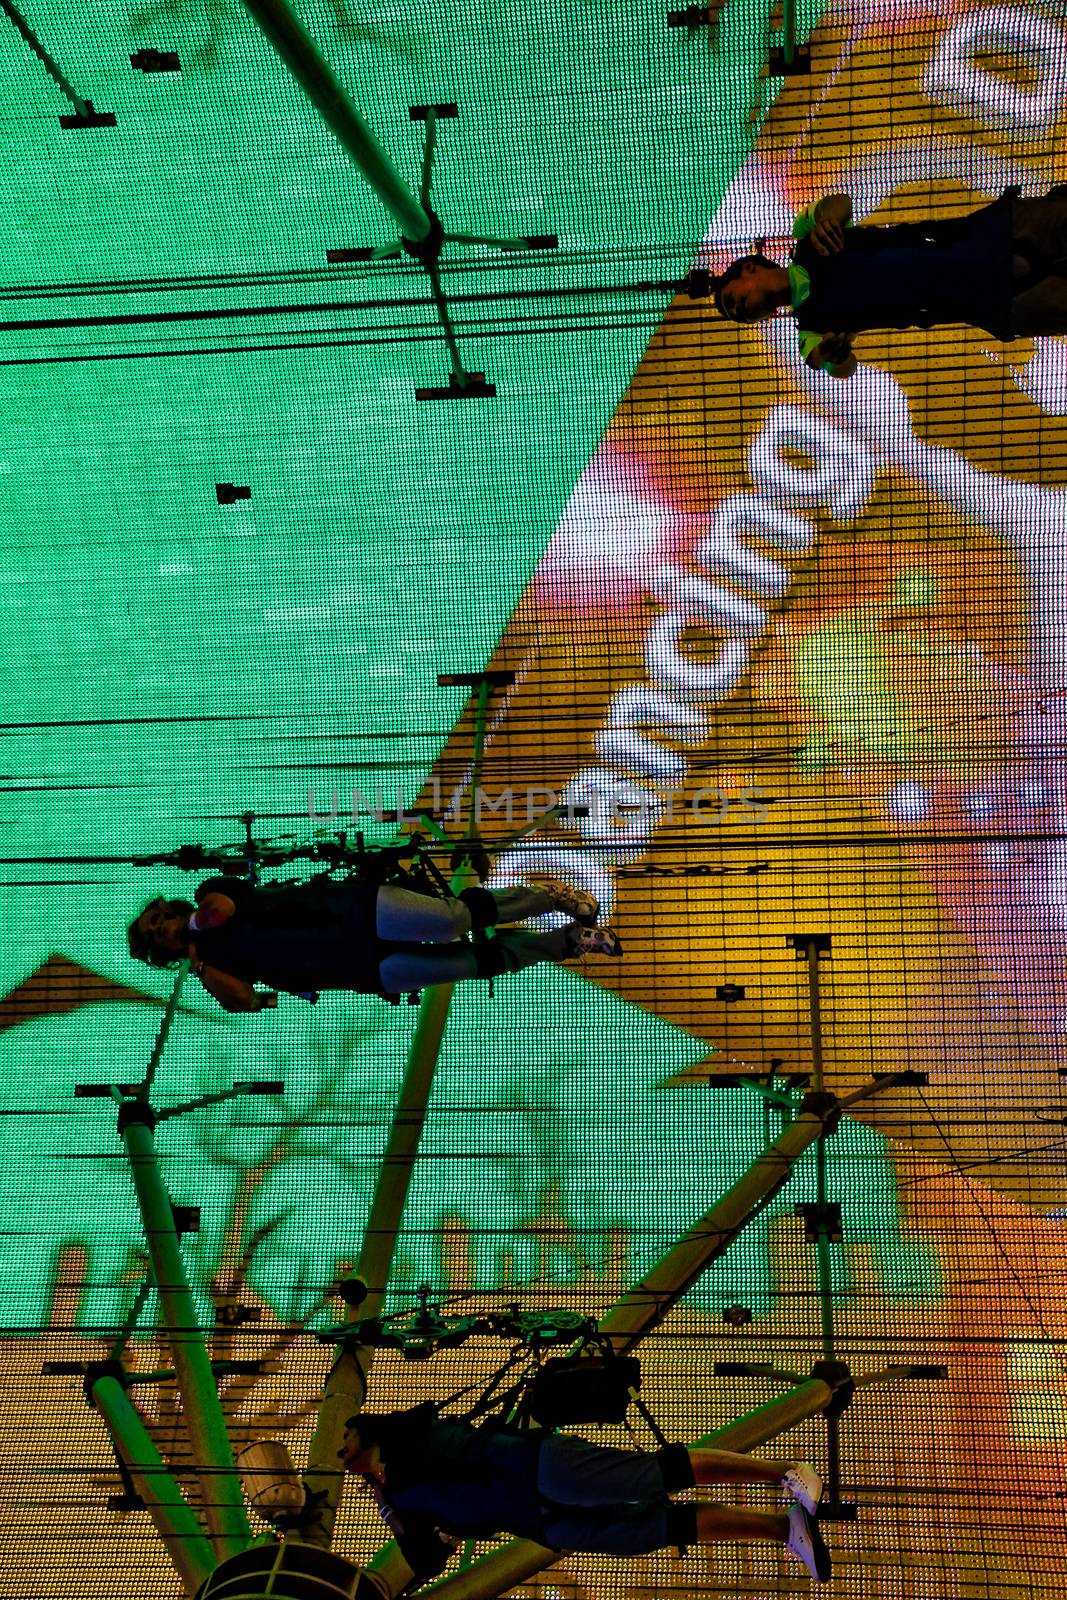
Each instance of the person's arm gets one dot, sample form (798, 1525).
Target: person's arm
(213, 909)
(825, 222)
(833, 354)
(426, 1548)
(233, 994)
(236, 890)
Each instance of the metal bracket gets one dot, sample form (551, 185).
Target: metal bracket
(693, 17)
(152, 60)
(821, 1221)
(420, 113)
(474, 388)
(799, 67)
(91, 118)
(802, 942)
(474, 680)
(186, 1219)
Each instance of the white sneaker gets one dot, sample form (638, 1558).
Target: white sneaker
(807, 1544)
(592, 941)
(804, 1484)
(577, 904)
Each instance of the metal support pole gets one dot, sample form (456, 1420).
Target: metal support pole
(346, 1383)
(174, 1521)
(789, 31)
(822, 1239)
(481, 714)
(428, 148)
(768, 1421)
(394, 1173)
(301, 55)
(815, 1013)
(169, 1014)
(645, 1305)
(811, 947)
(220, 1486)
(82, 107)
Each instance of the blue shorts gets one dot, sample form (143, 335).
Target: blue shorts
(612, 1502)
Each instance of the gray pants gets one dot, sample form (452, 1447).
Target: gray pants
(403, 916)
(1039, 229)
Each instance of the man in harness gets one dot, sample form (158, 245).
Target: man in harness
(437, 1480)
(1002, 269)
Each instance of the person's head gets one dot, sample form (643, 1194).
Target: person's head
(360, 1452)
(159, 935)
(752, 288)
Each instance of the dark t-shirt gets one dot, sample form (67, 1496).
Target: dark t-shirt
(914, 274)
(297, 937)
(472, 1482)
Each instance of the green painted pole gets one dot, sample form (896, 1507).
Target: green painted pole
(145, 1089)
(822, 1238)
(645, 1305)
(769, 1420)
(789, 31)
(223, 1503)
(401, 1151)
(301, 55)
(172, 1517)
(82, 107)
(346, 1383)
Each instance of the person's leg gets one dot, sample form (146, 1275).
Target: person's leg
(517, 949)
(402, 914)
(516, 903)
(520, 901)
(738, 1525)
(407, 970)
(798, 1532)
(726, 1466)
(513, 951)
(798, 1478)
(637, 1528)
(573, 1472)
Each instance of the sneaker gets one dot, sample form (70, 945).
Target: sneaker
(807, 1544)
(804, 1484)
(577, 904)
(592, 941)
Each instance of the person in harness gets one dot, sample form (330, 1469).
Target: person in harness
(373, 938)
(1002, 269)
(438, 1480)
